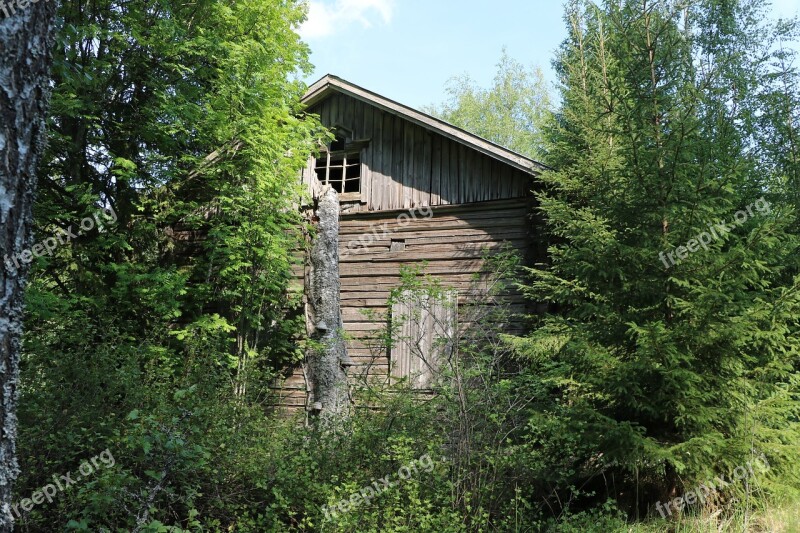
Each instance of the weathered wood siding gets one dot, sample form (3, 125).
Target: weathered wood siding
(426, 330)
(452, 241)
(406, 165)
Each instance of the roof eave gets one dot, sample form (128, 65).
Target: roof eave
(320, 89)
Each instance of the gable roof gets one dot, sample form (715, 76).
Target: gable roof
(330, 83)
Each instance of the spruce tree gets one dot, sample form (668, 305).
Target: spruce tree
(674, 345)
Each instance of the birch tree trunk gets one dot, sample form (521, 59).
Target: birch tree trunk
(26, 41)
(327, 364)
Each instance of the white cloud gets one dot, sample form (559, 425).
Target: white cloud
(326, 18)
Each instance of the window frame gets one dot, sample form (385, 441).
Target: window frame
(352, 148)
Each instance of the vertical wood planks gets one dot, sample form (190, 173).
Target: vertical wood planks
(407, 178)
(427, 329)
(427, 154)
(345, 114)
(419, 184)
(486, 179)
(436, 169)
(376, 158)
(398, 167)
(454, 175)
(368, 153)
(406, 165)
(505, 183)
(386, 163)
(334, 111)
(463, 175)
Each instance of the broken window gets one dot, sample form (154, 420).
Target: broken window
(425, 329)
(339, 166)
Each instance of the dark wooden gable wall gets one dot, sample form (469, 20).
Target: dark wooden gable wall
(405, 165)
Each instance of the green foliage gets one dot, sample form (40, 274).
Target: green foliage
(511, 112)
(184, 120)
(664, 372)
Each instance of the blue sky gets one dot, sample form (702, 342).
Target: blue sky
(408, 49)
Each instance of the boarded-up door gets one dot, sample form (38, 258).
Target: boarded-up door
(425, 327)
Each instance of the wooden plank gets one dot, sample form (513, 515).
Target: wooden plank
(366, 296)
(474, 166)
(486, 179)
(454, 244)
(418, 168)
(377, 304)
(405, 219)
(421, 184)
(361, 237)
(494, 181)
(432, 244)
(422, 215)
(355, 315)
(433, 237)
(468, 285)
(445, 176)
(368, 153)
(359, 301)
(436, 169)
(522, 184)
(364, 343)
(463, 174)
(334, 111)
(376, 161)
(462, 208)
(356, 110)
(434, 267)
(346, 112)
(384, 282)
(426, 171)
(416, 220)
(363, 326)
(408, 177)
(436, 249)
(406, 256)
(382, 194)
(467, 248)
(505, 182)
(517, 241)
(398, 165)
(454, 181)
(435, 224)
(424, 322)
(368, 124)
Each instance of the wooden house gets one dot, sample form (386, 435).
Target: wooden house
(412, 189)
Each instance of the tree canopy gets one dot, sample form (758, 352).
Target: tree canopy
(511, 113)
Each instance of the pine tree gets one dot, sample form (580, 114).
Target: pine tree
(675, 345)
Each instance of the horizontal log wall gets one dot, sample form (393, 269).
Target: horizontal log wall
(405, 165)
(452, 241)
